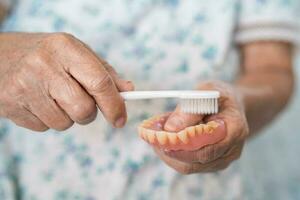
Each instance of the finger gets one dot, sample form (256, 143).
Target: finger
(26, 119)
(225, 162)
(179, 120)
(189, 168)
(122, 85)
(46, 109)
(72, 98)
(179, 166)
(91, 74)
(183, 167)
(204, 155)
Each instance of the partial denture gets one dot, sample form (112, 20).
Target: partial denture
(189, 139)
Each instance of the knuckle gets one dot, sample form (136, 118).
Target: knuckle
(29, 123)
(84, 111)
(36, 60)
(14, 92)
(64, 125)
(57, 41)
(108, 67)
(102, 84)
(59, 122)
(40, 128)
(19, 86)
(62, 38)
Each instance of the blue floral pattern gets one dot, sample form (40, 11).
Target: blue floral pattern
(159, 44)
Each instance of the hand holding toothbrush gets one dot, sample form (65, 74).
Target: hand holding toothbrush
(54, 80)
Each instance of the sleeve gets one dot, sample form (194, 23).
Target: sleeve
(268, 20)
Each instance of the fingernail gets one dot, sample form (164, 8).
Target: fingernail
(120, 122)
(174, 124)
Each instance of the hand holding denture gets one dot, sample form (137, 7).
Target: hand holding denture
(196, 143)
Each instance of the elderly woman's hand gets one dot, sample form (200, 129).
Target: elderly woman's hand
(54, 80)
(216, 156)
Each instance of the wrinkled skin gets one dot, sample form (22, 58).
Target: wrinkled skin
(54, 80)
(219, 155)
(263, 89)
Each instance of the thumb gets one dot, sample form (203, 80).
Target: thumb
(179, 120)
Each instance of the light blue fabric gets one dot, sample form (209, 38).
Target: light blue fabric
(159, 44)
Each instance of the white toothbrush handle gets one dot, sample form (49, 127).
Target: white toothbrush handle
(134, 95)
(182, 94)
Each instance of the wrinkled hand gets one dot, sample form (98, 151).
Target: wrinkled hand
(54, 80)
(212, 157)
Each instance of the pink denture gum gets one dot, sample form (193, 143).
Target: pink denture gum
(189, 139)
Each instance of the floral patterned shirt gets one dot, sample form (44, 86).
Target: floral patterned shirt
(159, 44)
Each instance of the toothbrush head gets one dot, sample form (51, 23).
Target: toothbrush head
(199, 102)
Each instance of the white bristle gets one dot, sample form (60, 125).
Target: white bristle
(204, 106)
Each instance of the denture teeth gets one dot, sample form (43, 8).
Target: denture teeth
(213, 124)
(208, 129)
(151, 136)
(172, 138)
(162, 137)
(182, 135)
(191, 131)
(199, 129)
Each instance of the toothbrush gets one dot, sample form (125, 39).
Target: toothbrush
(191, 101)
